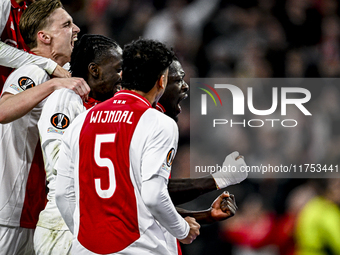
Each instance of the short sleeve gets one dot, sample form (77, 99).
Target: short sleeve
(59, 111)
(24, 78)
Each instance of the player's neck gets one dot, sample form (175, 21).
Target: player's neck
(46, 52)
(143, 94)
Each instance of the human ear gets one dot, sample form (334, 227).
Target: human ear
(44, 37)
(93, 69)
(162, 81)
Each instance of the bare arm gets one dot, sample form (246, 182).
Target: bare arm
(187, 189)
(13, 107)
(222, 208)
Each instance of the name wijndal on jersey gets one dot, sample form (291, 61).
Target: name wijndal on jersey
(111, 116)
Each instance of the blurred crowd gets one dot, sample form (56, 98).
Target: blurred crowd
(250, 39)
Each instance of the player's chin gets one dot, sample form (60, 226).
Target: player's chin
(176, 112)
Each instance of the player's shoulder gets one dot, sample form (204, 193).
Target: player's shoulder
(65, 94)
(160, 121)
(156, 115)
(29, 72)
(64, 98)
(25, 77)
(30, 68)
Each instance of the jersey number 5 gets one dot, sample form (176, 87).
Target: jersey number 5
(104, 162)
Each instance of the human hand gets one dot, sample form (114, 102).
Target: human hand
(78, 85)
(194, 231)
(223, 207)
(60, 72)
(233, 171)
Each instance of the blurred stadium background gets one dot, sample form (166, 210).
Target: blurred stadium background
(240, 39)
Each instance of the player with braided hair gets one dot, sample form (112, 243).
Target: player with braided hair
(131, 81)
(94, 49)
(118, 214)
(97, 59)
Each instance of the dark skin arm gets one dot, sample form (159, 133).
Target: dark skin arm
(187, 189)
(222, 208)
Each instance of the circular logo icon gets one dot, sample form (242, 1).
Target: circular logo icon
(170, 157)
(60, 121)
(26, 83)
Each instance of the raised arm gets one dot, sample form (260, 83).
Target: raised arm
(187, 189)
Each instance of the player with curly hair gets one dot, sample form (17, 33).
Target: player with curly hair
(134, 144)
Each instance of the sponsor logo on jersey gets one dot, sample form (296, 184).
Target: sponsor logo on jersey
(60, 121)
(170, 157)
(15, 87)
(165, 168)
(56, 131)
(26, 83)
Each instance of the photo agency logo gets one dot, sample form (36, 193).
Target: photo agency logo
(284, 127)
(281, 98)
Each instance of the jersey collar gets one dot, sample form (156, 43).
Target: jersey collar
(15, 5)
(90, 102)
(160, 108)
(133, 94)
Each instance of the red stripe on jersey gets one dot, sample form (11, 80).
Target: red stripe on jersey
(160, 108)
(11, 35)
(35, 195)
(108, 224)
(179, 250)
(90, 102)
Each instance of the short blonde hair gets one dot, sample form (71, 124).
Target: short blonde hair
(35, 18)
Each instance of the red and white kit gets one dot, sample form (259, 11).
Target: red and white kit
(22, 175)
(11, 41)
(113, 158)
(61, 108)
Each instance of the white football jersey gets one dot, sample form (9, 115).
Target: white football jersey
(22, 175)
(110, 151)
(60, 109)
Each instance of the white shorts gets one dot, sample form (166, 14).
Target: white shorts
(52, 242)
(16, 240)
